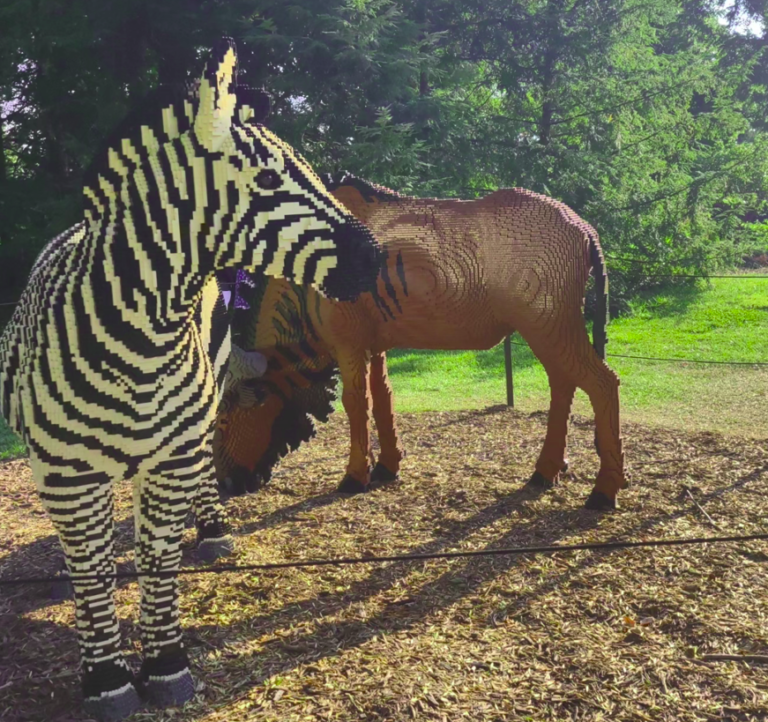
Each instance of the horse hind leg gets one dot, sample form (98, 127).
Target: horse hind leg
(81, 506)
(569, 355)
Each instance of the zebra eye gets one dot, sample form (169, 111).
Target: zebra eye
(268, 179)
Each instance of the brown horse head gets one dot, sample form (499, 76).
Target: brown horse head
(262, 419)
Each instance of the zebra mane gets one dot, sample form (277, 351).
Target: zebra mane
(180, 98)
(369, 190)
(148, 112)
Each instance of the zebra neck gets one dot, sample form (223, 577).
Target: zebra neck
(143, 288)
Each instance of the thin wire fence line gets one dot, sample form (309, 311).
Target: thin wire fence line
(346, 561)
(757, 277)
(689, 361)
(677, 360)
(633, 260)
(628, 259)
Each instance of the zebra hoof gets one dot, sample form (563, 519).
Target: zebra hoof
(209, 550)
(382, 475)
(172, 690)
(190, 521)
(597, 501)
(350, 485)
(113, 706)
(539, 482)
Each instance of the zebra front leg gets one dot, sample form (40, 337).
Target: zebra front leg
(81, 509)
(355, 396)
(161, 501)
(214, 537)
(391, 455)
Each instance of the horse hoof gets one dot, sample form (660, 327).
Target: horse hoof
(564, 469)
(172, 690)
(113, 706)
(350, 485)
(597, 501)
(540, 482)
(382, 475)
(209, 550)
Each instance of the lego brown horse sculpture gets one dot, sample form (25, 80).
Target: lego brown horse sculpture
(457, 275)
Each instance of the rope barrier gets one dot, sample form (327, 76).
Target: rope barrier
(549, 549)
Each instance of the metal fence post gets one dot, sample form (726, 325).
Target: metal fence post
(508, 367)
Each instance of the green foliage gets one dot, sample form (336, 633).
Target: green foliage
(646, 116)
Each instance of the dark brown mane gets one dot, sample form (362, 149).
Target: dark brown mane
(367, 189)
(296, 423)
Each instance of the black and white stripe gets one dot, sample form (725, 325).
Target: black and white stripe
(112, 364)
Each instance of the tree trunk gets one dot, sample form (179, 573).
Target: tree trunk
(554, 9)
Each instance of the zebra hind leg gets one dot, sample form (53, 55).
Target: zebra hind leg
(62, 589)
(81, 508)
(214, 537)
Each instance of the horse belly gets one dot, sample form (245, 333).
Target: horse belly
(449, 334)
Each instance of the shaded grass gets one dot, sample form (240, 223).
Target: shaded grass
(11, 446)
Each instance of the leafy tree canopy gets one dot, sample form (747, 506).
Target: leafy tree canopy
(648, 117)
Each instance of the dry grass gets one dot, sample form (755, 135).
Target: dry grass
(585, 636)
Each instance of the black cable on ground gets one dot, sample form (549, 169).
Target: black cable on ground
(550, 549)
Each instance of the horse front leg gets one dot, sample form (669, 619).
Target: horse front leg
(552, 461)
(391, 455)
(355, 371)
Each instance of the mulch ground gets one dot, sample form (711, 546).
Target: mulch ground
(621, 635)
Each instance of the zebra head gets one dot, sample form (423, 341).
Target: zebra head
(210, 188)
(269, 209)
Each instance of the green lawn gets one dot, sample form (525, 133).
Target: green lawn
(722, 320)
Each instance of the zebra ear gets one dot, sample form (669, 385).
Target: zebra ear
(252, 104)
(217, 96)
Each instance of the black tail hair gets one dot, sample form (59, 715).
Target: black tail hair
(599, 334)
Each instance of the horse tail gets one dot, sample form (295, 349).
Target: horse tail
(597, 261)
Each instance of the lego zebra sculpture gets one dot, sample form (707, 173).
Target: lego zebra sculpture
(111, 365)
(456, 275)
